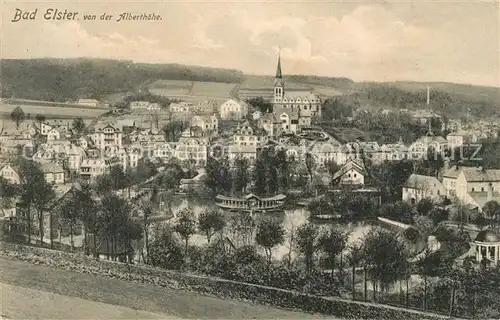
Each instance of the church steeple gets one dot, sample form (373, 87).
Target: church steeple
(278, 68)
(279, 85)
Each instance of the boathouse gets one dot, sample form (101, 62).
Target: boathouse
(251, 202)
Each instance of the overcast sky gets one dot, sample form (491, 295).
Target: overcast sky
(374, 41)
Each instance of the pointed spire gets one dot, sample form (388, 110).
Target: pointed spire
(278, 68)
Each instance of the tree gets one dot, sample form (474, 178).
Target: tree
(424, 206)
(165, 251)
(306, 242)
(261, 104)
(270, 233)
(332, 167)
(148, 207)
(17, 115)
(355, 257)
(40, 118)
(241, 177)
(424, 225)
(332, 244)
(492, 210)
(283, 169)
(185, 226)
(78, 125)
(243, 226)
(438, 215)
(210, 222)
(320, 207)
(385, 256)
(69, 214)
(399, 211)
(115, 216)
(90, 215)
(310, 165)
(260, 175)
(218, 175)
(43, 195)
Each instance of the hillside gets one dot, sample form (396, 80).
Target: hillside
(111, 80)
(70, 79)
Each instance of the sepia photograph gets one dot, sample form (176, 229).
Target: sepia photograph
(237, 159)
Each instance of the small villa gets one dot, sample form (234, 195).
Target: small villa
(251, 202)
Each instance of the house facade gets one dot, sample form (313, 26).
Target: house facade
(233, 110)
(107, 136)
(419, 187)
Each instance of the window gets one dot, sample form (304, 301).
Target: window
(349, 175)
(472, 189)
(482, 189)
(355, 175)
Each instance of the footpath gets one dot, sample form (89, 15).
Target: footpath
(212, 286)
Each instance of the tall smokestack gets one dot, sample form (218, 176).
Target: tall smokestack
(428, 96)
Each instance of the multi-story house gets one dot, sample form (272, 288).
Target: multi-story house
(153, 107)
(233, 110)
(164, 151)
(147, 137)
(289, 120)
(206, 123)
(58, 133)
(242, 151)
(53, 173)
(9, 173)
(180, 107)
(107, 135)
(250, 135)
(419, 187)
(92, 168)
(192, 149)
(476, 186)
(270, 123)
(138, 105)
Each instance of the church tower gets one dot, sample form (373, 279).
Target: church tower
(279, 85)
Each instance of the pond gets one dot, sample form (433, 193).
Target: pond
(291, 219)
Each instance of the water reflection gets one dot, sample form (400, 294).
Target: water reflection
(291, 219)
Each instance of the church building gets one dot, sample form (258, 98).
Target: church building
(303, 103)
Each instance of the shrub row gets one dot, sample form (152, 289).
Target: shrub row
(209, 285)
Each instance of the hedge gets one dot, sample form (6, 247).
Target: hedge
(217, 287)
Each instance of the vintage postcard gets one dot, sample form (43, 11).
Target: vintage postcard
(250, 159)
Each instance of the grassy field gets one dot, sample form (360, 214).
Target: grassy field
(52, 112)
(152, 299)
(192, 90)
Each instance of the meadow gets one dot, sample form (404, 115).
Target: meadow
(51, 112)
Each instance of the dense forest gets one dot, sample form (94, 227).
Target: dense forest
(387, 96)
(70, 79)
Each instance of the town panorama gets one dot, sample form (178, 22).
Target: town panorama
(145, 190)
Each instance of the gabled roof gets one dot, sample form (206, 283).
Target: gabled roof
(418, 181)
(452, 172)
(50, 168)
(478, 174)
(292, 114)
(351, 164)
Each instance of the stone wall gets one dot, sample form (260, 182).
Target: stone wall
(221, 288)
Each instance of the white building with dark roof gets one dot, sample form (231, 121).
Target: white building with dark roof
(419, 187)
